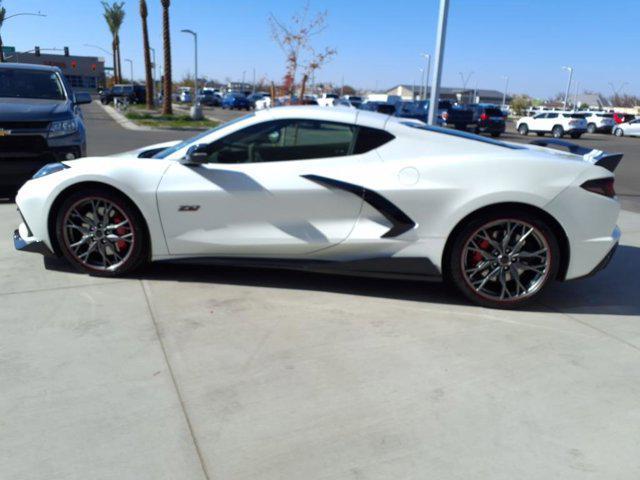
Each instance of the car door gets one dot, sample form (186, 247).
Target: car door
(537, 122)
(259, 194)
(550, 120)
(633, 128)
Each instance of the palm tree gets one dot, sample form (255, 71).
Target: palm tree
(114, 15)
(147, 53)
(3, 13)
(168, 84)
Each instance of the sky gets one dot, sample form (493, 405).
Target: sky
(378, 42)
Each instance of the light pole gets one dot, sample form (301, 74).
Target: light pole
(504, 94)
(196, 111)
(465, 82)
(427, 57)
(422, 72)
(439, 58)
(566, 95)
(130, 65)
(575, 98)
(244, 75)
(12, 16)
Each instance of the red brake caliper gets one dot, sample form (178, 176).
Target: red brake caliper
(120, 244)
(477, 256)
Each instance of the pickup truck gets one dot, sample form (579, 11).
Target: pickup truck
(458, 116)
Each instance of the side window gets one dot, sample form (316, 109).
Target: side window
(284, 140)
(552, 115)
(370, 139)
(540, 116)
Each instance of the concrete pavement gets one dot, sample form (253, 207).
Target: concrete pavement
(217, 373)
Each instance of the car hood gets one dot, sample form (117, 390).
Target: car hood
(31, 109)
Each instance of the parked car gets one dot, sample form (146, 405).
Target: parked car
(488, 119)
(236, 100)
(558, 124)
(327, 99)
(132, 93)
(623, 117)
(185, 96)
(503, 221)
(263, 103)
(40, 122)
(380, 107)
(599, 122)
(354, 100)
(631, 128)
(209, 99)
(419, 111)
(458, 116)
(255, 97)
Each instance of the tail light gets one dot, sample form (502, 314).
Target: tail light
(484, 117)
(601, 186)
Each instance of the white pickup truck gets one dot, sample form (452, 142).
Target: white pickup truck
(558, 124)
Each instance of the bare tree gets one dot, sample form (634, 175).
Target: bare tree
(295, 40)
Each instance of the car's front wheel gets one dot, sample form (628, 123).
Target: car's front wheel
(618, 132)
(591, 128)
(503, 260)
(101, 233)
(523, 129)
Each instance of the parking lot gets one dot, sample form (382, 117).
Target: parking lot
(206, 373)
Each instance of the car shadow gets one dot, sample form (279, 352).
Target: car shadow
(613, 291)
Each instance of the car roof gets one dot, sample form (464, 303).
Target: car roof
(28, 66)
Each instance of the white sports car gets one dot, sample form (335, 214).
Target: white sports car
(336, 190)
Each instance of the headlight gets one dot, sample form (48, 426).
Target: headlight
(62, 128)
(49, 168)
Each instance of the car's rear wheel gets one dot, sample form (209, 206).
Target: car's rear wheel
(557, 132)
(503, 260)
(591, 128)
(618, 132)
(523, 129)
(101, 233)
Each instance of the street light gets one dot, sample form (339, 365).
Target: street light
(437, 72)
(196, 111)
(422, 72)
(427, 57)
(566, 95)
(131, 65)
(465, 82)
(17, 15)
(504, 94)
(153, 52)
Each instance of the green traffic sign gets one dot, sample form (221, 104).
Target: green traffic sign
(6, 50)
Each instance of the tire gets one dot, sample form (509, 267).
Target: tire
(523, 129)
(534, 272)
(557, 132)
(618, 132)
(591, 128)
(107, 256)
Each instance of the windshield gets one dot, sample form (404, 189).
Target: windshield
(194, 140)
(20, 83)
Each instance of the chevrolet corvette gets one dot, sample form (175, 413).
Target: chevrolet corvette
(337, 190)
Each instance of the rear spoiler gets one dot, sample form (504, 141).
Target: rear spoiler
(610, 161)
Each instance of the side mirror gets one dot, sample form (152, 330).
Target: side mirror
(82, 98)
(197, 155)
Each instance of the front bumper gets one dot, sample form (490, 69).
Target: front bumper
(23, 242)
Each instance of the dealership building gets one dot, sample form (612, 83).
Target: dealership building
(83, 73)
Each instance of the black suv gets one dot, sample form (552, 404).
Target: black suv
(133, 93)
(40, 122)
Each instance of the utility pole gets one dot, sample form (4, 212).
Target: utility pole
(131, 65)
(439, 59)
(566, 95)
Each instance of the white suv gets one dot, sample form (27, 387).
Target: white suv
(557, 124)
(599, 122)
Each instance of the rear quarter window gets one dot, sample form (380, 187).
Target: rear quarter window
(371, 138)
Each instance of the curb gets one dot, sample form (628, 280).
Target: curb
(123, 121)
